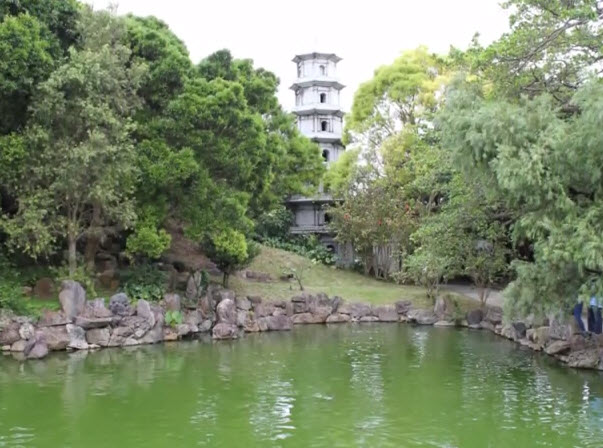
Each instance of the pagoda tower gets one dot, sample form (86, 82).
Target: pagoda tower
(320, 118)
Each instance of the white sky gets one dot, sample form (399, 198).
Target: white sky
(366, 34)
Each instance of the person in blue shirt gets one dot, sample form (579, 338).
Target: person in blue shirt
(595, 321)
(578, 316)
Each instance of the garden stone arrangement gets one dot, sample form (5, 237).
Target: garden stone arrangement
(92, 324)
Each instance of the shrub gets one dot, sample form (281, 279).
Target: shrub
(306, 246)
(144, 282)
(11, 291)
(173, 318)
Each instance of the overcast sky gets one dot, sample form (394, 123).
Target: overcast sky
(365, 33)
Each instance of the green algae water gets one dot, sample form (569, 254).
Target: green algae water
(337, 386)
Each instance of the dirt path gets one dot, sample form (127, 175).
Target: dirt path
(495, 298)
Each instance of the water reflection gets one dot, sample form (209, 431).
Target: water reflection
(363, 386)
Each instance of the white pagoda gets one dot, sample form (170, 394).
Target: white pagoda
(320, 118)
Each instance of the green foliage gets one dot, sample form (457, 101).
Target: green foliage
(144, 282)
(230, 251)
(274, 224)
(173, 318)
(11, 289)
(147, 240)
(79, 173)
(81, 275)
(305, 245)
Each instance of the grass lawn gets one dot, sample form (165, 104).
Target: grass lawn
(349, 285)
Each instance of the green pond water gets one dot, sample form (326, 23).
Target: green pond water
(342, 386)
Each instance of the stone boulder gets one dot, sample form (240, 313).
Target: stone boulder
(172, 302)
(44, 288)
(386, 313)
(585, 359)
(53, 318)
(77, 337)
(277, 323)
(243, 303)
(227, 312)
(368, 319)
(444, 308)
(119, 305)
(88, 323)
(355, 310)
(18, 346)
(96, 308)
(403, 307)
(494, 315)
(99, 336)
(26, 331)
(193, 318)
(338, 318)
(514, 331)
(56, 337)
(539, 336)
(223, 294)
(308, 318)
(224, 330)
(474, 317)
(560, 328)
(422, 317)
(10, 334)
(143, 309)
(72, 298)
(558, 348)
(36, 347)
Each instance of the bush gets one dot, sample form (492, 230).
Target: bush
(173, 318)
(11, 291)
(144, 282)
(274, 224)
(306, 246)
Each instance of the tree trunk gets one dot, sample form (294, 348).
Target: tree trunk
(225, 278)
(93, 238)
(72, 254)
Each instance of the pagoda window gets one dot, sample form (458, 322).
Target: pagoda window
(325, 155)
(324, 126)
(323, 97)
(323, 70)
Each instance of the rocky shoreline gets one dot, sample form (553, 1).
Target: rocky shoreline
(91, 324)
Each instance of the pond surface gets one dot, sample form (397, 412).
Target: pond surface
(343, 386)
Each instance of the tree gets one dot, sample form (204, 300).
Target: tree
(547, 168)
(229, 250)
(79, 172)
(552, 47)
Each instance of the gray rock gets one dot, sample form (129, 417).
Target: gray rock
(172, 302)
(99, 336)
(143, 309)
(96, 308)
(26, 331)
(308, 318)
(514, 331)
(243, 303)
(558, 348)
(53, 318)
(368, 319)
(494, 315)
(474, 317)
(10, 334)
(227, 311)
(56, 337)
(72, 298)
(560, 329)
(242, 317)
(279, 323)
(443, 308)
(77, 337)
(444, 323)
(539, 336)
(154, 335)
(338, 318)
(487, 325)
(253, 326)
(205, 326)
(386, 313)
(255, 300)
(224, 330)
(422, 317)
(224, 294)
(403, 306)
(183, 330)
(119, 305)
(193, 286)
(193, 318)
(88, 323)
(18, 346)
(584, 359)
(38, 351)
(355, 310)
